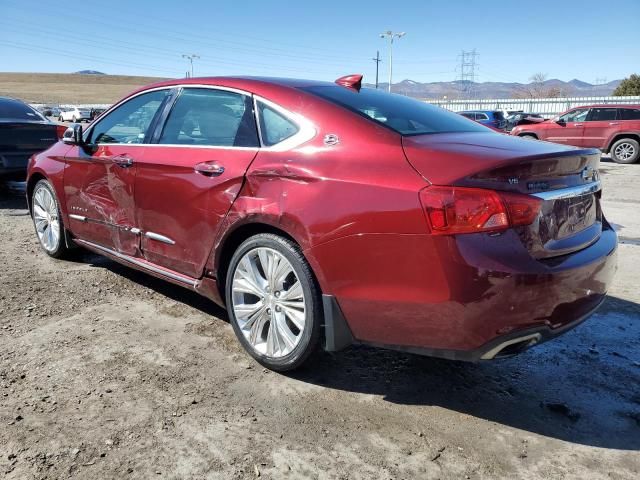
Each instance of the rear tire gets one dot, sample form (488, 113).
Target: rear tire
(47, 220)
(273, 301)
(625, 150)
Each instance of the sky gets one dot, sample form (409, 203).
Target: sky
(585, 39)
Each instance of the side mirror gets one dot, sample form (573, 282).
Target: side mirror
(73, 135)
(560, 121)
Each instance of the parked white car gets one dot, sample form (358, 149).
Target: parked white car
(74, 114)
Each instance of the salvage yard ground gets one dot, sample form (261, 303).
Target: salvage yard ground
(109, 373)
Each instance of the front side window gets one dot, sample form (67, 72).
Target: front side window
(404, 115)
(210, 117)
(577, 115)
(128, 123)
(603, 114)
(274, 126)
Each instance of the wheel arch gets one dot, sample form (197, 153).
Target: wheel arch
(528, 134)
(619, 136)
(31, 184)
(237, 234)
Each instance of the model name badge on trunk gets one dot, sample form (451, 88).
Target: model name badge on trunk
(537, 185)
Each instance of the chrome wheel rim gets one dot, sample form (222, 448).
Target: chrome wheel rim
(45, 217)
(625, 151)
(268, 302)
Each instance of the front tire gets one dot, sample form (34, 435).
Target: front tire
(273, 301)
(528, 136)
(47, 220)
(625, 150)
(74, 120)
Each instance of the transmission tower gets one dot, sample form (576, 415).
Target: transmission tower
(468, 65)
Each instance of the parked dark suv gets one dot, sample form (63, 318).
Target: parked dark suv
(614, 129)
(491, 118)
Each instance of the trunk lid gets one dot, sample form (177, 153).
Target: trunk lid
(20, 140)
(564, 178)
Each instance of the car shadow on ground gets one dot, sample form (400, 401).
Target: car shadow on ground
(583, 387)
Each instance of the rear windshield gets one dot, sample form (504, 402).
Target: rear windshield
(14, 110)
(401, 114)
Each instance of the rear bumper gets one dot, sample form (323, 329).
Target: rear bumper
(503, 346)
(463, 297)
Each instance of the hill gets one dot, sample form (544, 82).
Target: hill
(460, 89)
(69, 87)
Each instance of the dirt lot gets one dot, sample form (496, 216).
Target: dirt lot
(109, 373)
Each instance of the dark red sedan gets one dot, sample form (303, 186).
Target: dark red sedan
(323, 212)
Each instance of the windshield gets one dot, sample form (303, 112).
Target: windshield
(404, 115)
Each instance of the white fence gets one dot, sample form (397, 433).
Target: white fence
(547, 107)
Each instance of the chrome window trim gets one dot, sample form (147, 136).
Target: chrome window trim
(306, 129)
(570, 192)
(104, 115)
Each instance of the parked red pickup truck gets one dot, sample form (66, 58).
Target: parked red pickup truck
(614, 129)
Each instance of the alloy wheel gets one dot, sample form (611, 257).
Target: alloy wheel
(45, 217)
(268, 302)
(625, 151)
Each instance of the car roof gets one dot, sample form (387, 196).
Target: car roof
(251, 84)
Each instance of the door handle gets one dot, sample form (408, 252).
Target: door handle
(209, 169)
(123, 160)
(577, 125)
(614, 123)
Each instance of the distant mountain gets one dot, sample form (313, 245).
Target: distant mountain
(89, 72)
(466, 89)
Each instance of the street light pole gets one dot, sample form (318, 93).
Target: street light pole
(190, 58)
(391, 36)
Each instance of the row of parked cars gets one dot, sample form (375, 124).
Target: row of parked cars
(70, 114)
(614, 129)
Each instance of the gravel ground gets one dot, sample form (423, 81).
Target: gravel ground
(108, 373)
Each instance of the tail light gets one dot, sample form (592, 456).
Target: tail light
(60, 129)
(455, 210)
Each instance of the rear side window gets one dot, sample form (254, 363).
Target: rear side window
(629, 114)
(498, 115)
(603, 114)
(274, 126)
(210, 117)
(128, 123)
(471, 116)
(15, 110)
(481, 116)
(404, 115)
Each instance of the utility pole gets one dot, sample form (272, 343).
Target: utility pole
(377, 60)
(190, 58)
(468, 66)
(391, 36)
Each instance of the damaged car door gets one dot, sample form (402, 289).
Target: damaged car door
(100, 175)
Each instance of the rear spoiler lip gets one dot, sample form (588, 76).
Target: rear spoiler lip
(570, 192)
